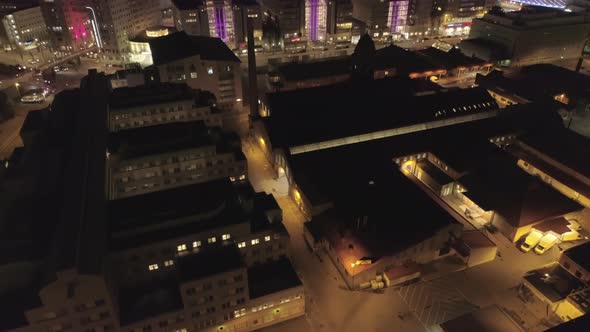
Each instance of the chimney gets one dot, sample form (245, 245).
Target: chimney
(252, 79)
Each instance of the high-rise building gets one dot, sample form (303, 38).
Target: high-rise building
(191, 17)
(25, 28)
(221, 20)
(290, 15)
(316, 20)
(339, 22)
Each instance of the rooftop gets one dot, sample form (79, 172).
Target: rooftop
(271, 277)
(488, 319)
(553, 281)
(580, 324)
(127, 97)
(209, 262)
(295, 71)
(146, 301)
(179, 45)
(580, 254)
(188, 4)
(165, 138)
(307, 116)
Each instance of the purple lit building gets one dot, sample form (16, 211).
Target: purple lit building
(221, 22)
(316, 17)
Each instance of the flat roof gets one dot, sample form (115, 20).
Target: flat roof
(271, 277)
(580, 324)
(557, 285)
(580, 254)
(452, 59)
(179, 45)
(404, 61)
(148, 300)
(209, 262)
(296, 71)
(434, 172)
(488, 319)
(476, 239)
(558, 225)
(159, 139)
(565, 146)
(523, 199)
(188, 4)
(309, 115)
(126, 97)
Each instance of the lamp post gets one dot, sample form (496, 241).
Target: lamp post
(17, 86)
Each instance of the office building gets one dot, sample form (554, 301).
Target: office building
(165, 156)
(201, 62)
(207, 256)
(290, 15)
(26, 28)
(529, 36)
(340, 22)
(316, 20)
(191, 17)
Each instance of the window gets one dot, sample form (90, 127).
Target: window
(241, 244)
(276, 236)
(210, 70)
(267, 238)
(255, 241)
(225, 237)
(228, 68)
(212, 240)
(169, 262)
(181, 247)
(153, 267)
(196, 244)
(194, 74)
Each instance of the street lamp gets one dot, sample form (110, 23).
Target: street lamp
(17, 86)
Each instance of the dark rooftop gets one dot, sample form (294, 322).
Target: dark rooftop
(580, 324)
(580, 254)
(271, 277)
(434, 172)
(313, 115)
(148, 300)
(188, 4)
(209, 262)
(404, 61)
(165, 138)
(155, 94)
(489, 319)
(316, 69)
(452, 59)
(179, 45)
(555, 287)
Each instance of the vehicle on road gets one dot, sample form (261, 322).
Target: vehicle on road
(531, 240)
(547, 242)
(34, 96)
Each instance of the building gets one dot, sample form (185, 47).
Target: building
(487, 319)
(209, 256)
(26, 28)
(244, 10)
(316, 20)
(165, 156)
(340, 22)
(191, 17)
(151, 105)
(202, 63)
(376, 14)
(529, 36)
(10, 6)
(575, 260)
(139, 46)
(290, 15)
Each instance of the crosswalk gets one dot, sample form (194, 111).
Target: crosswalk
(436, 301)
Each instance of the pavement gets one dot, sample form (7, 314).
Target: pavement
(448, 289)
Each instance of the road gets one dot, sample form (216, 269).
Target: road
(418, 307)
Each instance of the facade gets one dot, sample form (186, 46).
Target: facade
(290, 16)
(316, 20)
(575, 260)
(26, 28)
(207, 256)
(143, 106)
(221, 21)
(529, 36)
(191, 17)
(70, 24)
(192, 155)
(340, 22)
(202, 63)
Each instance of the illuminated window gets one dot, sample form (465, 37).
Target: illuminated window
(169, 263)
(255, 241)
(225, 237)
(210, 70)
(194, 74)
(211, 240)
(196, 244)
(153, 267)
(242, 177)
(241, 244)
(267, 238)
(181, 247)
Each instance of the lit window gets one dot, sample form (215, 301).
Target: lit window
(267, 238)
(210, 70)
(255, 241)
(242, 177)
(225, 237)
(153, 267)
(194, 74)
(241, 244)
(228, 68)
(196, 244)
(211, 240)
(181, 247)
(169, 263)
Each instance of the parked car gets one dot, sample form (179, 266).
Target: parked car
(531, 240)
(546, 243)
(34, 96)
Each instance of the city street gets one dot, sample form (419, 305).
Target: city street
(418, 307)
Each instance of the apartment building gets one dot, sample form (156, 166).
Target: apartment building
(209, 256)
(155, 104)
(26, 28)
(160, 157)
(200, 62)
